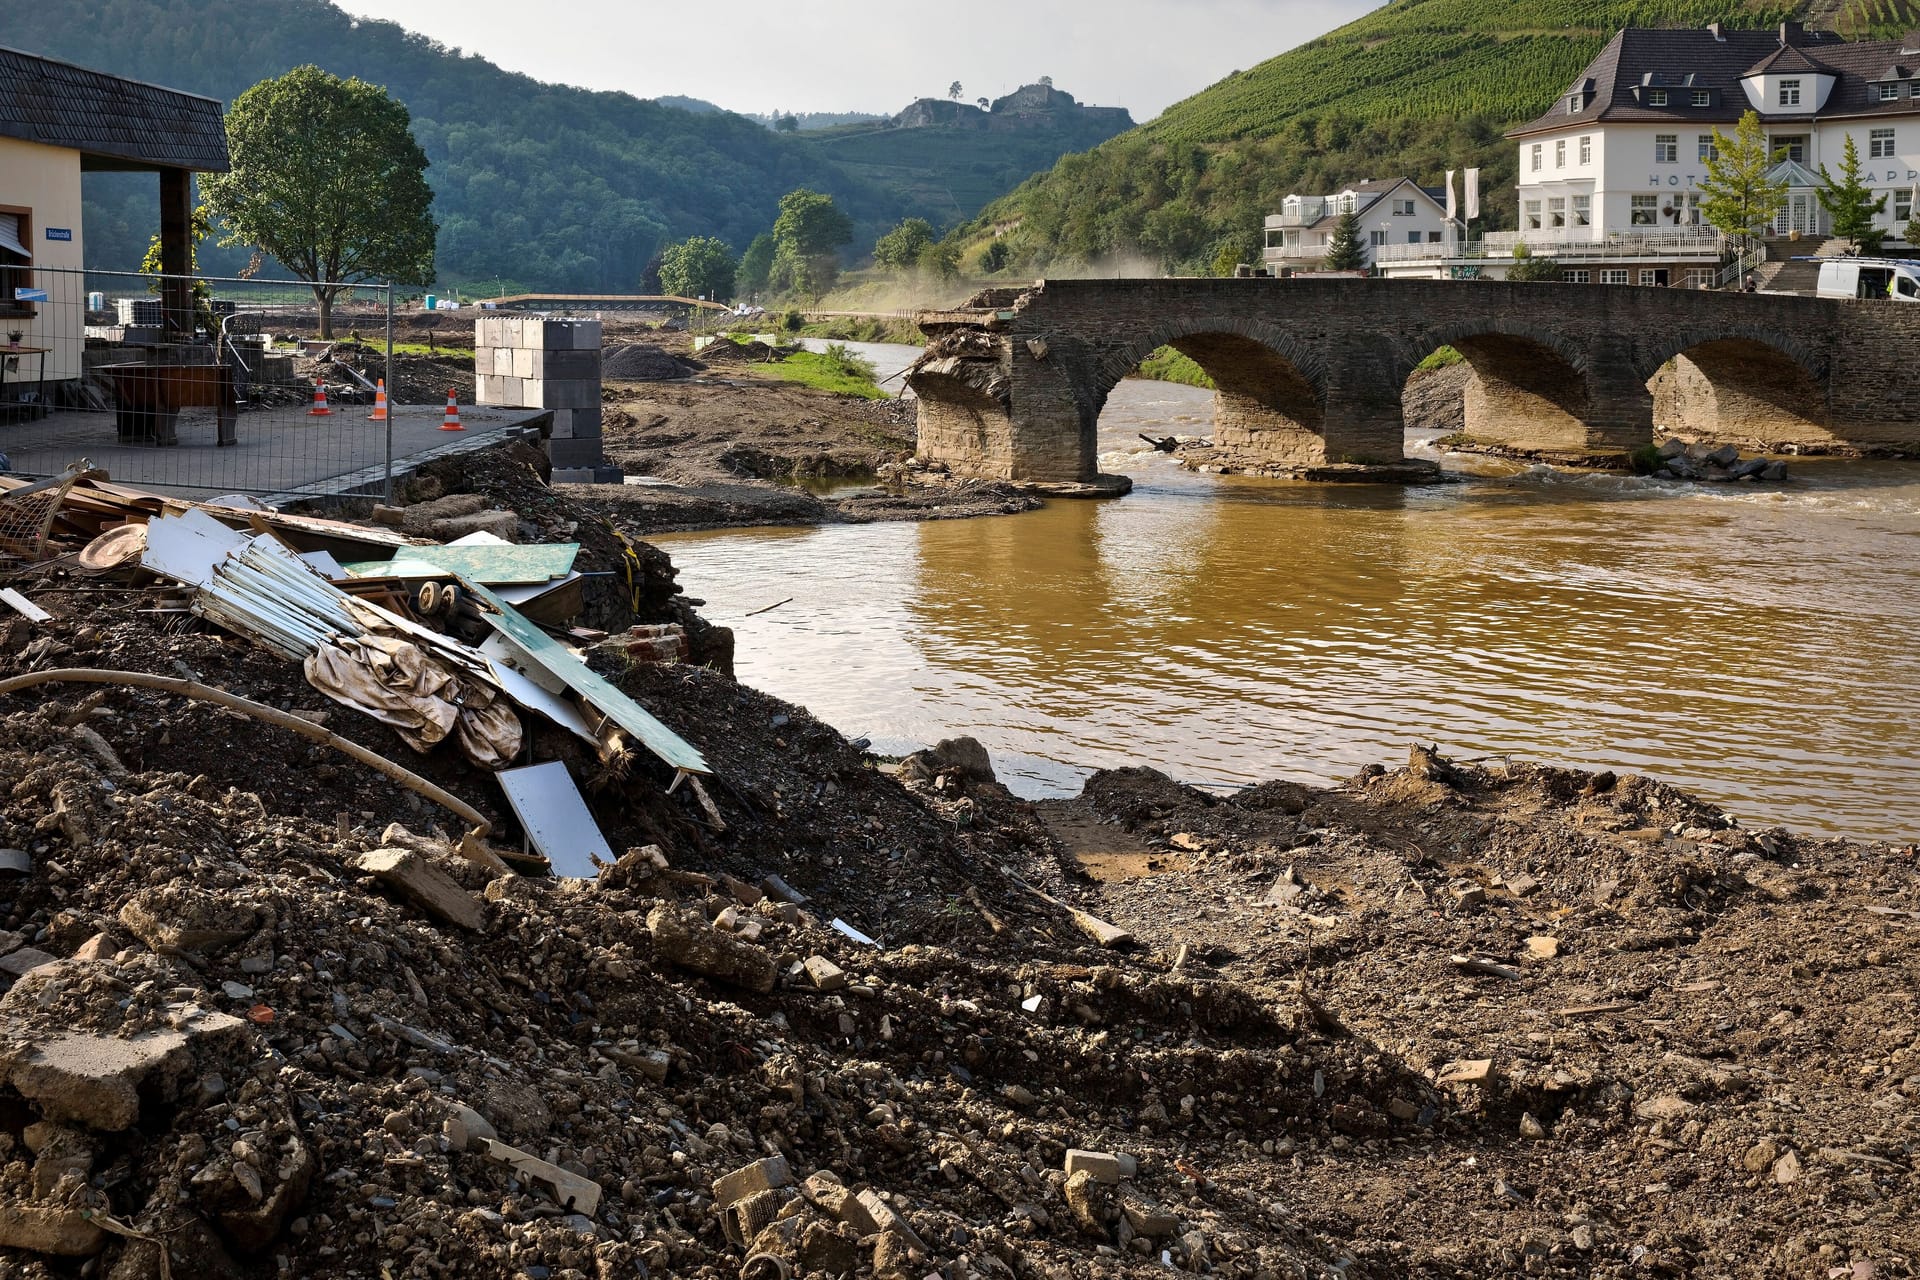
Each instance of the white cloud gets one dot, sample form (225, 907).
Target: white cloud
(831, 55)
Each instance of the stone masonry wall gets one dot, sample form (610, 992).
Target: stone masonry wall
(537, 363)
(1354, 342)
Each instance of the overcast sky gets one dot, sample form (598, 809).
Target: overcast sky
(833, 55)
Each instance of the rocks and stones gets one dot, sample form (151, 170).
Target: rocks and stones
(825, 974)
(751, 1179)
(1103, 1166)
(186, 918)
(98, 1081)
(426, 886)
(1466, 1071)
(693, 944)
(961, 757)
(643, 362)
(1092, 1203)
(1682, 461)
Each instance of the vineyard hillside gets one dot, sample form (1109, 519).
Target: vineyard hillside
(1415, 87)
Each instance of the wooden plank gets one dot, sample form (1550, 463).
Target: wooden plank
(23, 606)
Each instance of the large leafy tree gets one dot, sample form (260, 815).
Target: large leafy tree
(1740, 199)
(806, 240)
(327, 178)
(756, 266)
(699, 267)
(1344, 250)
(1851, 204)
(902, 246)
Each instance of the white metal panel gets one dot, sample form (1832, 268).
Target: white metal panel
(556, 818)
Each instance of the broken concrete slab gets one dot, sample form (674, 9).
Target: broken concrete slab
(187, 918)
(52, 1229)
(697, 946)
(751, 1179)
(1466, 1071)
(423, 884)
(886, 1218)
(20, 962)
(825, 974)
(98, 1081)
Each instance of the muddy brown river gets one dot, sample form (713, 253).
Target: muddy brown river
(1755, 644)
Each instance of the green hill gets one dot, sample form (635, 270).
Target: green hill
(541, 184)
(1414, 87)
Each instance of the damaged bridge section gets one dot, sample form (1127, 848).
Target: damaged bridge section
(1308, 374)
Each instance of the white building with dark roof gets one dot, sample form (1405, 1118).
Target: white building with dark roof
(1609, 176)
(1393, 212)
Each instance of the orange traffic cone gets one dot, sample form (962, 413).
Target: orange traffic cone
(452, 422)
(319, 409)
(379, 413)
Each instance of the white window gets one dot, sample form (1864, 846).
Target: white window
(16, 259)
(1656, 97)
(1880, 144)
(1902, 207)
(1793, 144)
(1650, 276)
(1583, 211)
(1413, 237)
(1702, 97)
(1789, 93)
(1533, 157)
(1560, 154)
(1586, 151)
(1403, 208)
(1576, 102)
(1579, 275)
(1646, 212)
(1889, 93)
(1693, 218)
(1666, 148)
(1614, 275)
(1530, 215)
(1699, 277)
(1707, 151)
(1556, 211)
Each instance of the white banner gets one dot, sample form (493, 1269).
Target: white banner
(1452, 213)
(1473, 194)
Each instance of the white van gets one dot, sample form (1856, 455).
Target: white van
(1874, 279)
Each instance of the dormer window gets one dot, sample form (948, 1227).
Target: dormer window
(1890, 93)
(1576, 103)
(1789, 93)
(1702, 98)
(1656, 97)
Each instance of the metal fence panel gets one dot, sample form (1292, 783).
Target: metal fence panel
(224, 395)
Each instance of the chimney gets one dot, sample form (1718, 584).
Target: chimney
(1790, 33)
(1713, 29)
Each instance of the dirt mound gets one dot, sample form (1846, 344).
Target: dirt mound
(725, 351)
(643, 362)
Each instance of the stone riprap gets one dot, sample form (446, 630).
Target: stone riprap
(1309, 373)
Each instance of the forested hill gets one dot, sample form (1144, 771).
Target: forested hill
(541, 184)
(1415, 87)
(553, 186)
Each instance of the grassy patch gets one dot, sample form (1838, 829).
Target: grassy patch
(1168, 365)
(1441, 358)
(836, 369)
(868, 329)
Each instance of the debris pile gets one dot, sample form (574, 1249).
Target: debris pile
(645, 362)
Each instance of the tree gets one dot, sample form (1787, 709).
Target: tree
(954, 91)
(1740, 199)
(982, 103)
(698, 267)
(326, 177)
(650, 274)
(902, 246)
(1344, 250)
(939, 260)
(806, 235)
(1046, 82)
(1850, 203)
(1913, 230)
(995, 257)
(1527, 267)
(756, 266)
(787, 124)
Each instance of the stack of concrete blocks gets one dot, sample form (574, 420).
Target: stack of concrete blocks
(532, 362)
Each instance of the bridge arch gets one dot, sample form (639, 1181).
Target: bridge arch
(1529, 385)
(1269, 400)
(1740, 385)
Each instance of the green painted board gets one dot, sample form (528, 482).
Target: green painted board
(497, 566)
(553, 657)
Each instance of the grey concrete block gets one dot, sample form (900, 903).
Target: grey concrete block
(489, 389)
(503, 363)
(513, 391)
(578, 424)
(575, 453)
(570, 393)
(526, 363)
(574, 365)
(575, 475)
(568, 335)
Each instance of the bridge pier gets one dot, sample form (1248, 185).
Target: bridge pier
(1364, 421)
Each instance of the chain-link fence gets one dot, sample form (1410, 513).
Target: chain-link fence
(198, 384)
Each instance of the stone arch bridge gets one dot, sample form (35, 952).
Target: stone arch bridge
(1311, 372)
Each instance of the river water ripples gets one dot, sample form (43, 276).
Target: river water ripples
(1756, 644)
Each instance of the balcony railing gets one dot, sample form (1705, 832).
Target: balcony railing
(1701, 244)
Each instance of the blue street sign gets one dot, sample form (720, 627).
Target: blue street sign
(29, 295)
(59, 233)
